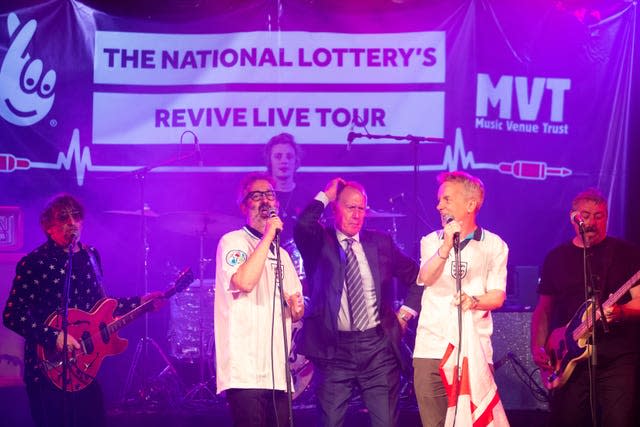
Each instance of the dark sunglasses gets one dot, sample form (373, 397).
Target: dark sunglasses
(65, 215)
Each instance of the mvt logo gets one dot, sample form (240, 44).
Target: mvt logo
(26, 91)
(529, 96)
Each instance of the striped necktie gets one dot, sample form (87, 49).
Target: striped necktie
(355, 290)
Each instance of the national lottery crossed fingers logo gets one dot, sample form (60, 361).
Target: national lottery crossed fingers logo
(26, 87)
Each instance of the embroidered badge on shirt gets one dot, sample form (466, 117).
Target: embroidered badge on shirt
(462, 269)
(235, 257)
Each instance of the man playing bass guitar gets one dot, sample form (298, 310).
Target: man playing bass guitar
(562, 355)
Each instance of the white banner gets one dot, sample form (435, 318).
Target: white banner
(268, 57)
(246, 117)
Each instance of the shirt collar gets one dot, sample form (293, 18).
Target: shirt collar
(341, 236)
(474, 235)
(258, 235)
(252, 231)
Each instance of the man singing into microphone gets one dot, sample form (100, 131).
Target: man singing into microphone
(483, 276)
(250, 360)
(562, 292)
(37, 293)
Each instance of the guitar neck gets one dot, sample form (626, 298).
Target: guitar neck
(621, 291)
(123, 321)
(143, 308)
(585, 326)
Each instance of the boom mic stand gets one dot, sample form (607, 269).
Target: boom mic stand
(591, 294)
(283, 308)
(201, 391)
(458, 270)
(415, 142)
(141, 356)
(66, 410)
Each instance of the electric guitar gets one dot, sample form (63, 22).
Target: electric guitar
(96, 332)
(566, 346)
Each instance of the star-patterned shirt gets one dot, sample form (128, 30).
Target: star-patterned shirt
(37, 293)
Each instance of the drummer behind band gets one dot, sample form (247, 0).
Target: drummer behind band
(282, 156)
(250, 359)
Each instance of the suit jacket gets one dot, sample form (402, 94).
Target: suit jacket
(325, 262)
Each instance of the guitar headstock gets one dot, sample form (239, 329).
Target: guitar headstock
(184, 279)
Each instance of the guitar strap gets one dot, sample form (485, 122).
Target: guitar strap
(96, 267)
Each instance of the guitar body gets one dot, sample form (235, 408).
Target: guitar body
(91, 330)
(565, 351)
(568, 345)
(97, 333)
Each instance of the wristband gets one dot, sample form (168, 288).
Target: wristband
(440, 256)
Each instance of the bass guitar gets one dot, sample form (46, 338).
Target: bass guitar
(566, 346)
(96, 332)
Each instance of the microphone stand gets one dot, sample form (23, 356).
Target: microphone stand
(592, 304)
(142, 350)
(415, 141)
(458, 270)
(65, 332)
(283, 308)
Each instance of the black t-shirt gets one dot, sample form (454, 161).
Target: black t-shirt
(613, 262)
(291, 204)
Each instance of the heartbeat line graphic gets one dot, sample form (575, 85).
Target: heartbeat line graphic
(458, 156)
(452, 158)
(523, 169)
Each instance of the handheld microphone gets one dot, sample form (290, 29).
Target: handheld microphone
(273, 214)
(577, 218)
(73, 239)
(447, 220)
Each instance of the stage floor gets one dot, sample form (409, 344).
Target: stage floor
(302, 417)
(13, 404)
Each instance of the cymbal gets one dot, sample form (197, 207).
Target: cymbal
(371, 213)
(147, 212)
(194, 223)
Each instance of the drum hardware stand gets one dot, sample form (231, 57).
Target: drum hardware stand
(140, 360)
(201, 391)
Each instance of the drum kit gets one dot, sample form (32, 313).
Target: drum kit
(190, 335)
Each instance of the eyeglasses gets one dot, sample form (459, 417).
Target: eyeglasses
(256, 196)
(65, 215)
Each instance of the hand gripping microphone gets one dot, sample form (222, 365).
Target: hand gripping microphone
(273, 214)
(456, 235)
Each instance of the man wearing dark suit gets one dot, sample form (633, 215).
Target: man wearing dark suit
(351, 332)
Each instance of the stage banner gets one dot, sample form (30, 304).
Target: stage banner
(533, 98)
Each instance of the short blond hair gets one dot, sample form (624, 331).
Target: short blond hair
(473, 186)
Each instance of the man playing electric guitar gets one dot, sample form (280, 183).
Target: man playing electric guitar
(37, 293)
(563, 361)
